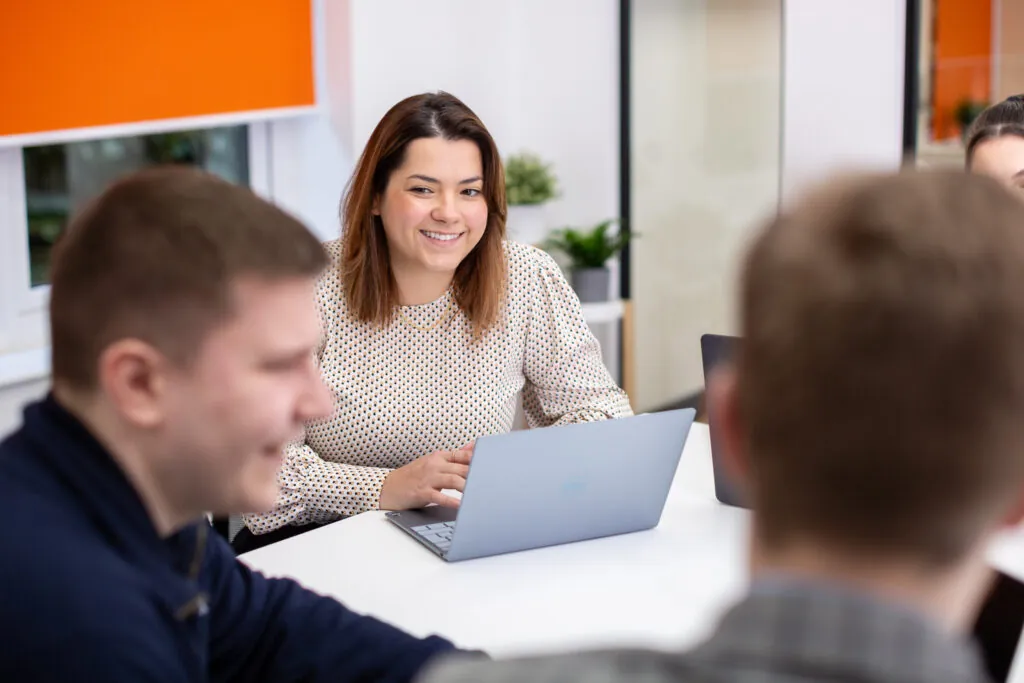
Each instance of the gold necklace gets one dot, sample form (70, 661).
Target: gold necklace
(422, 328)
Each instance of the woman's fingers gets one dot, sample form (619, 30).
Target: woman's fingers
(461, 457)
(455, 468)
(449, 481)
(443, 500)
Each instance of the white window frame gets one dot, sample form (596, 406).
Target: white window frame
(24, 334)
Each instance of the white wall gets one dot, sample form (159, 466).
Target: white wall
(842, 103)
(510, 62)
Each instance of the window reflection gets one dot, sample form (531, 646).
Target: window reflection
(60, 178)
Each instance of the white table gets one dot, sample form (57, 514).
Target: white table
(663, 588)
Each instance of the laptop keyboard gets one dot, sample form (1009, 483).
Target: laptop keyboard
(439, 534)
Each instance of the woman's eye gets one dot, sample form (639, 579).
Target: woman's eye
(420, 190)
(471, 192)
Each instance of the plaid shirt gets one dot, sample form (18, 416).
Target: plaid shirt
(782, 632)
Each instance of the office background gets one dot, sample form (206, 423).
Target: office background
(727, 108)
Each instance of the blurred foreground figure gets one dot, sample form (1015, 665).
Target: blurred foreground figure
(183, 322)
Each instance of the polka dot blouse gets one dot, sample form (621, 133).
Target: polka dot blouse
(406, 390)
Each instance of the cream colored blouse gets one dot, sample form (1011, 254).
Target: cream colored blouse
(406, 390)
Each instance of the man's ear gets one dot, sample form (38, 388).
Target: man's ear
(729, 431)
(1015, 516)
(132, 374)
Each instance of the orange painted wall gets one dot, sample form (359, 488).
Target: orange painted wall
(962, 58)
(78, 63)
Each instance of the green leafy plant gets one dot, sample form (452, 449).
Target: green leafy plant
(175, 148)
(590, 248)
(968, 110)
(528, 180)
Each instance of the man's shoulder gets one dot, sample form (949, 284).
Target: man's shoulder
(69, 599)
(613, 666)
(52, 564)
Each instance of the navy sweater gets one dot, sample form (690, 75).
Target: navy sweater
(90, 592)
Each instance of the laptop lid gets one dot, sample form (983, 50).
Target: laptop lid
(997, 628)
(716, 350)
(542, 487)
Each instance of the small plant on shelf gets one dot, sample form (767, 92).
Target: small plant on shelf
(966, 111)
(589, 252)
(529, 180)
(529, 185)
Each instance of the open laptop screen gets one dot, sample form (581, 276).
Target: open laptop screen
(998, 627)
(717, 350)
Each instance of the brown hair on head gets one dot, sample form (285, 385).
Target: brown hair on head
(880, 382)
(155, 257)
(1005, 118)
(365, 270)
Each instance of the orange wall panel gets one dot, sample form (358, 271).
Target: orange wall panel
(962, 58)
(68, 64)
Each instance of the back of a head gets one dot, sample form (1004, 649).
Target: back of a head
(155, 258)
(1004, 118)
(881, 379)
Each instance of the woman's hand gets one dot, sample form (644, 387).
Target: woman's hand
(419, 483)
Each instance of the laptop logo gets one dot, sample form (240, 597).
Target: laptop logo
(574, 487)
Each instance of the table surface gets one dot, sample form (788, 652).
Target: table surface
(663, 588)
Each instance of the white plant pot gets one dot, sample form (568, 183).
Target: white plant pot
(526, 224)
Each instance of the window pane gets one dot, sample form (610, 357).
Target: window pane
(970, 55)
(706, 94)
(60, 178)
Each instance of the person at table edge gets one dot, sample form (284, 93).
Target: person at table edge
(994, 143)
(434, 324)
(873, 422)
(183, 328)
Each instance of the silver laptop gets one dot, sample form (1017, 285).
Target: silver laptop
(543, 487)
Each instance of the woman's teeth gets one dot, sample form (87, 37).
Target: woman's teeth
(441, 236)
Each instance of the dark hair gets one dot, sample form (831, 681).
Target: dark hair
(365, 270)
(155, 257)
(1005, 118)
(881, 378)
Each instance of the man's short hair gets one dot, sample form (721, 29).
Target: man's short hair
(881, 377)
(155, 258)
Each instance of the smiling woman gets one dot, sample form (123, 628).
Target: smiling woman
(435, 326)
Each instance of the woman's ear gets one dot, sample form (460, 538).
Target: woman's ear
(375, 207)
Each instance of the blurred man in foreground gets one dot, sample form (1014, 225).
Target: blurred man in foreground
(184, 323)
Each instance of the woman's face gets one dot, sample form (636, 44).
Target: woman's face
(1001, 158)
(433, 208)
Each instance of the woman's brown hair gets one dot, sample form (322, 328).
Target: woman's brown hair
(366, 276)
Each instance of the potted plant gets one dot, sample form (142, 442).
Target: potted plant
(966, 111)
(529, 185)
(588, 252)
